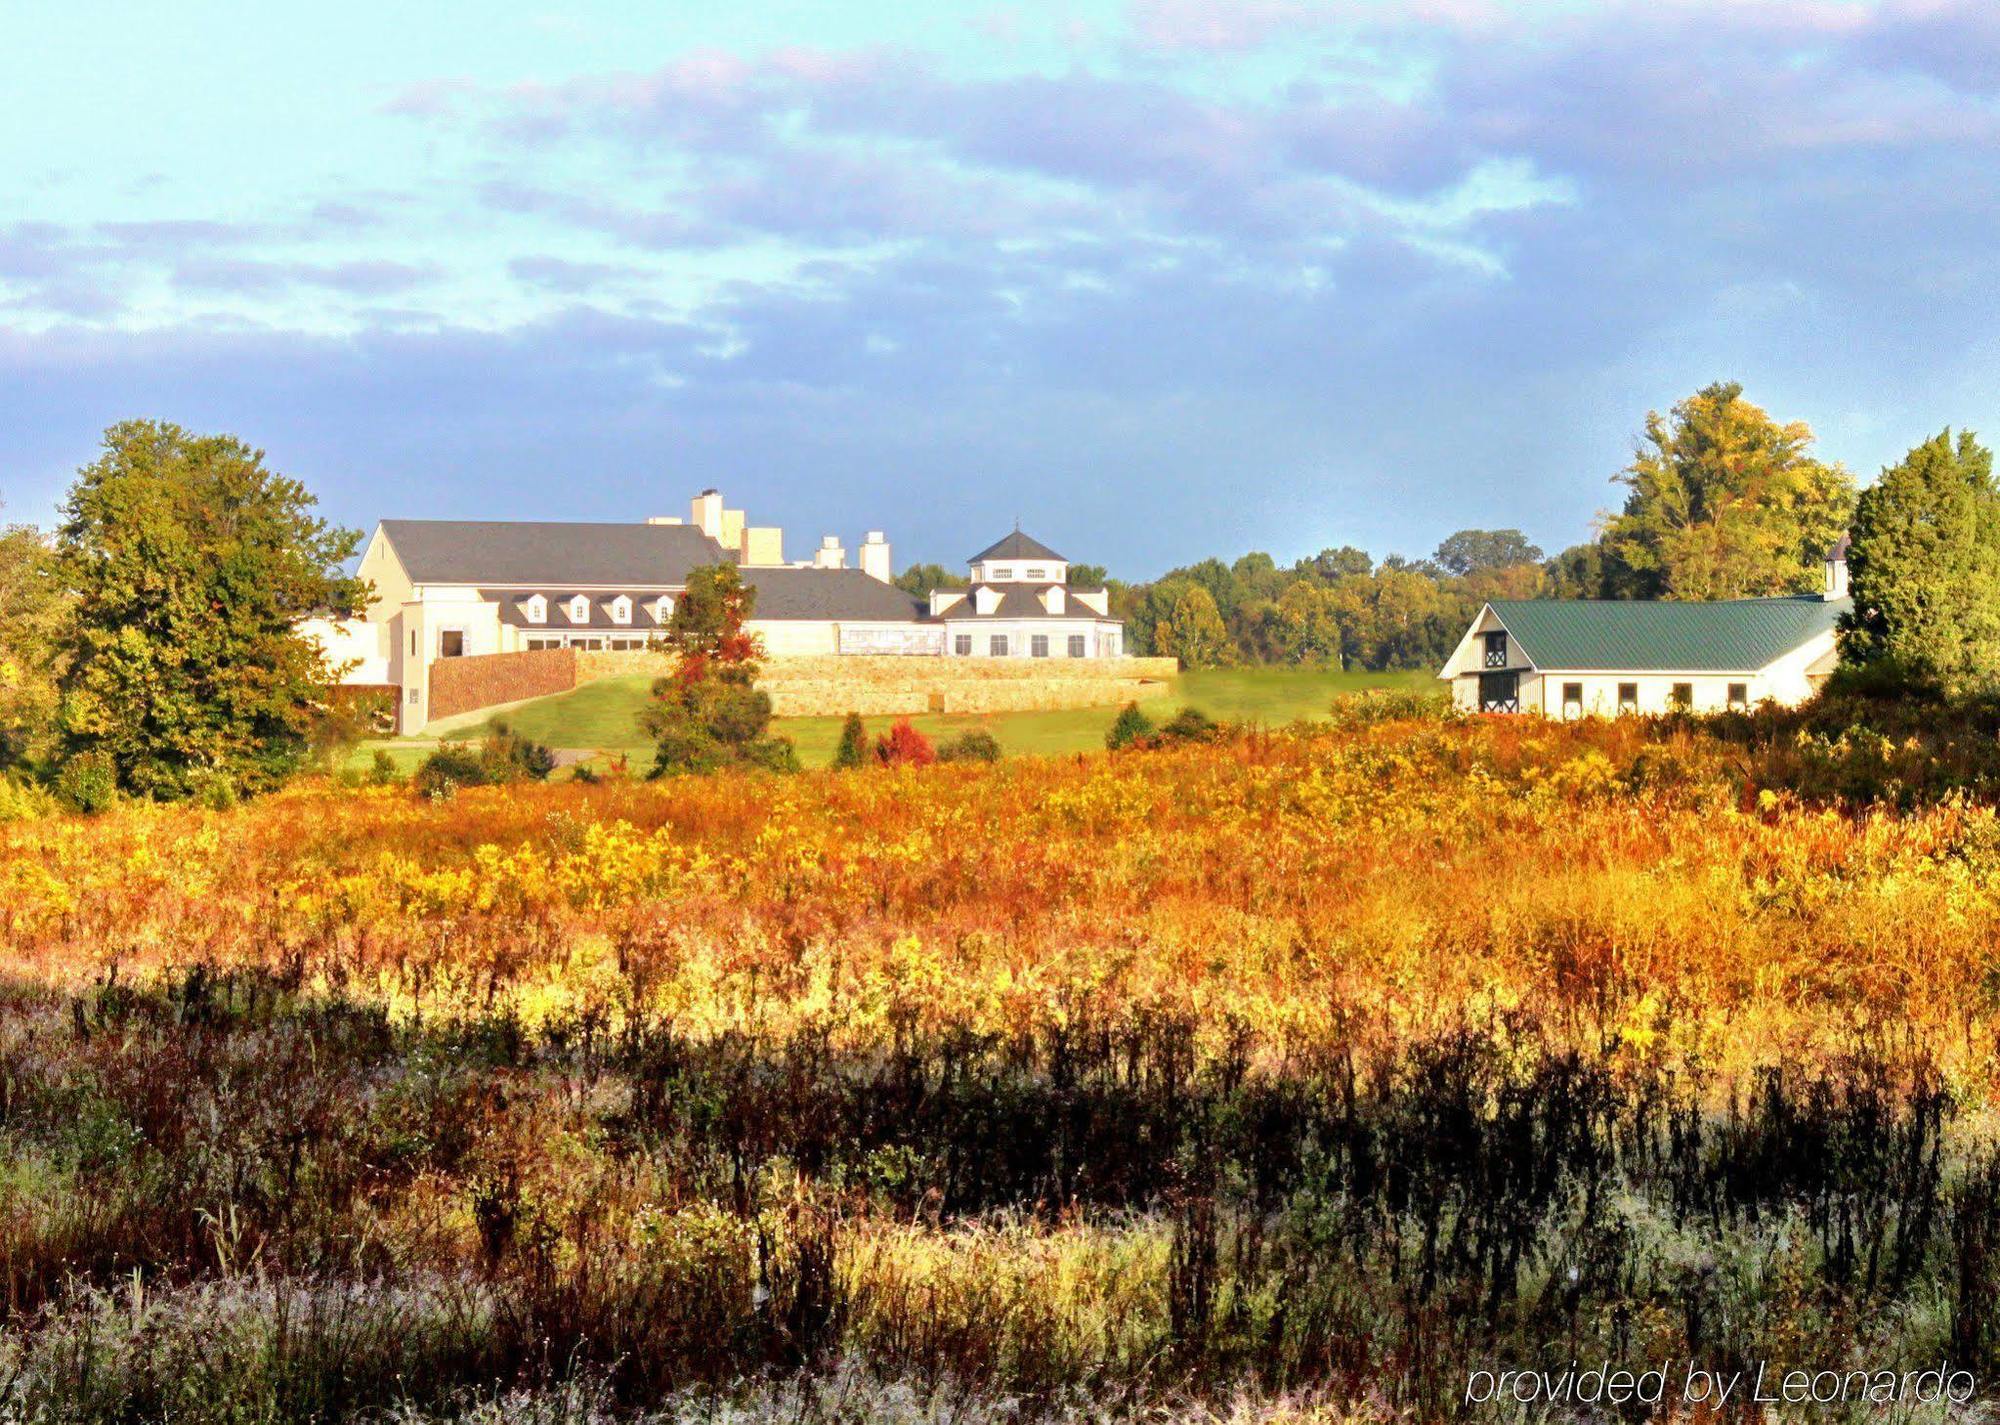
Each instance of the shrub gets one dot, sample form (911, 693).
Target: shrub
(1364, 709)
(510, 757)
(1190, 725)
(1131, 725)
(903, 746)
(383, 771)
(87, 783)
(452, 766)
(975, 746)
(24, 801)
(853, 748)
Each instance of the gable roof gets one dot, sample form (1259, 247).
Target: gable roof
(1018, 601)
(1732, 636)
(828, 593)
(549, 552)
(1016, 546)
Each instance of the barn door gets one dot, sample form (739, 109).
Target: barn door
(1500, 692)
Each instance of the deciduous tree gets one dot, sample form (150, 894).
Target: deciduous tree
(190, 566)
(1725, 503)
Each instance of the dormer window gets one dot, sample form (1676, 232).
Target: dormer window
(536, 609)
(663, 609)
(621, 609)
(579, 609)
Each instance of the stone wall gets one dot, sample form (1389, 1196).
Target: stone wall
(832, 685)
(464, 684)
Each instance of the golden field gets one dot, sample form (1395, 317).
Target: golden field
(1287, 1077)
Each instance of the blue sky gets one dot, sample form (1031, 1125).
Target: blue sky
(1160, 278)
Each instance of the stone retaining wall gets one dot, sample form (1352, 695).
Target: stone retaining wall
(465, 684)
(889, 685)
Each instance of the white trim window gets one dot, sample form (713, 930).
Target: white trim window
(621, 609)
(663, 609)
(996, 646)
(579, 609)
(1076, 645)
(535, 609)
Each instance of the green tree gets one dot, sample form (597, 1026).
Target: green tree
(1578, 573)
(1308, 624)
(1924, 568)
(190, 567)
(853, 749)
(1194, 632)
(708, 713)
(1725, 503)
(1086, 576)
(33, 612)
(1341, 563)
(920, 579)
(1471, 550)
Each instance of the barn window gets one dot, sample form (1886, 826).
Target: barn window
(1682, 696)
(1628, 697)
(1739, 695)
(1496, 650)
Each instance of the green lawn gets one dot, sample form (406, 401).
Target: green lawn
(603, 715)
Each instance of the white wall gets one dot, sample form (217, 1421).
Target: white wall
(1100, 640)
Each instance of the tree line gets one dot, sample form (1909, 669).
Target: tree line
(150, 643)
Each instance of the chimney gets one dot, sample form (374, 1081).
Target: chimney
(706, 512)
(830, 555)
(1836, 569)
(875, 557)
(763, 545)
(665, 519)
(732, 529)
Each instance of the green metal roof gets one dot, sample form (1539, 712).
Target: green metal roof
(1734, 636)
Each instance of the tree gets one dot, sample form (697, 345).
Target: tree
(853, 749)
(1086, 576)
(708, 713)
(1130, 726)
(33, 611)
(190, 566)
(1578, 573)
(1308, 625)
(1193, 632)
(920, 579)
(1924, 568)
(1471, 550)
(1725, 503)
(1341, 563)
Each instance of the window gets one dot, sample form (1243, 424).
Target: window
(1572, 700)
(596, 644)
(621, 609)
(413, 643)
(1037, 574)
(1496, 650)
(961, 644)
(538, 643)
(415, 697)
(579, 609)
(537, 609)
(663, 608)
(1682, 696)
(1076, 645)
(1038, 645)
(451, 643)
(1739, 695)
(1628, 697)
(997, 645)
(1111, 645)
(627, 644)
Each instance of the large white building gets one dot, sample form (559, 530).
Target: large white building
(1571, 657)
(464, 588)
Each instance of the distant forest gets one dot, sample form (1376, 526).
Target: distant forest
(1721, 502)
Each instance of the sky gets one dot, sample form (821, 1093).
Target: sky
(1158, 279)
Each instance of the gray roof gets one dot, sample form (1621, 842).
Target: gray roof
(511, 600)
(1016, 546)
(828, 593)
(548, 553)
(1731, 636)
(1021, 601)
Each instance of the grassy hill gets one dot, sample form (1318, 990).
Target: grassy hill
(604, 715)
